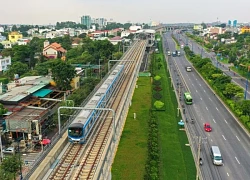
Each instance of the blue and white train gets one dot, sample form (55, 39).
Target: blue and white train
(82, 125)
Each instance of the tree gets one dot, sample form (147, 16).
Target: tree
(204, 26)
(245, 107)
(17, 68)
(14, 28)
(83, 35)
(2, 110)
(20, 53)
(7, 52)
(1, 46)
(232, 90)
(62, 74)
(10, 165)
(117, 55)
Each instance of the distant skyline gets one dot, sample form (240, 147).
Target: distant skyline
(182, 11)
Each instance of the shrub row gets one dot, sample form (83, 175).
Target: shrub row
(152, 165)
(177, 42)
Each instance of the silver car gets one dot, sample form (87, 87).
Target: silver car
(9, 150)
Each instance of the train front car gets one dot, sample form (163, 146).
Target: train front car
(76, 130)
(76, 133)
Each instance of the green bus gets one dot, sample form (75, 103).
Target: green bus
(188, 98)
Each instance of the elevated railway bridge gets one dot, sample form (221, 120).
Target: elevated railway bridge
(92, 160)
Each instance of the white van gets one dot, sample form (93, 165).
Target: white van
(169, 53)
(216, 155)
(188, 69)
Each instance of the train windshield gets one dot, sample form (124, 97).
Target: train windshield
(75, 132)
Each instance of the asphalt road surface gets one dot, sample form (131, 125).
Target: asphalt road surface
(233, 142)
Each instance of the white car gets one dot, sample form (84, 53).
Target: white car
(9, 150)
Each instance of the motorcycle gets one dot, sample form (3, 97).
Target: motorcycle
(200, 161)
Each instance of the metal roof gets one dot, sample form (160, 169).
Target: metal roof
(42, 92)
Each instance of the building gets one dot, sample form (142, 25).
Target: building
(86, 20)
(235, 23)
(135, 28)
(245, 29)
(1, 29)
(53, 50)
(100, 21)
(2, 38)
(154, 23)
(115, 40)
(6, 44)
(198, 27)
(30, 101)
(23, 41)
(5, 62)
(125, 33)
(14, 36)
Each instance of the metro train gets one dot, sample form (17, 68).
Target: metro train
(82, 125)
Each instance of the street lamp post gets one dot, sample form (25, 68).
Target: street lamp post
(100, 69)
(245, 95)
(20, 163)
(1, 146)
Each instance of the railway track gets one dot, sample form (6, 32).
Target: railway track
(81, 161)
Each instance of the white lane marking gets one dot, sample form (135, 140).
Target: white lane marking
(200, 84)
(189, 79)
(192, 84)
(201, 98)
(237, 160)
(204, 90)
(211, 140)
(214, 121)
(217, 109)
(223, 137)
(227, 174)
(196, 79)
(210, 99)
(196, 91)
(225, 120)
(206, 108)
(237, 138)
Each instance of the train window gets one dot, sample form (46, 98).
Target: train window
(75, 132)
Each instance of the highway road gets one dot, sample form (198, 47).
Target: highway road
(197, 49)
(233, 142)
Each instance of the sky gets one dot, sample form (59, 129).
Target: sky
(43, 12)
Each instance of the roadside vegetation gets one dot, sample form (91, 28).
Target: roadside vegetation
(131, 155)
(231, 94)
(175, 159)
(177, 44)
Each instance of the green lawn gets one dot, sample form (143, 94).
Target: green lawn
(176, 160)
(131, 156)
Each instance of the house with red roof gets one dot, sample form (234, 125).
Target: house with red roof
(115, 40)
(54, 50)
